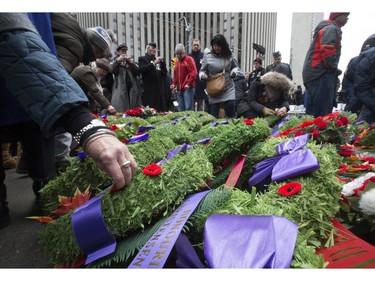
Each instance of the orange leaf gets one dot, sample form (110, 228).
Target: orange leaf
(41, 219)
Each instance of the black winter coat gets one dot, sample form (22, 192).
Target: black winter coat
(200, 85)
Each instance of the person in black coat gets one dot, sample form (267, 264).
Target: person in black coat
(154, 73)
(364, 84)
(200, 95)
(353, 104)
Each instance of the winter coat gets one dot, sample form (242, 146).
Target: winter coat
(255, 75)
(240, 87)
(154, 92)
(87, 79)
(213, 64)
(45, 98)
(200, 85)
(324, 52)
(184, 73)
(364, 81)
(126, 92)
(351, 100)
(282, 67)
(72, 44)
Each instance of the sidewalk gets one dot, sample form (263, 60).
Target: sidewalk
(19, 242)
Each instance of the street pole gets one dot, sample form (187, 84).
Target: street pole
(189, 29)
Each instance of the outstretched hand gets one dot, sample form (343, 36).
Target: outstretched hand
(109, 155)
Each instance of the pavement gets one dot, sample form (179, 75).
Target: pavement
(19, 242)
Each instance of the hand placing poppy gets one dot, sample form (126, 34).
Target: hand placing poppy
(290, 188)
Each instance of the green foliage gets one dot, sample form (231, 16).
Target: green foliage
(132, 208)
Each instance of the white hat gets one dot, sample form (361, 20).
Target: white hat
(99, 37)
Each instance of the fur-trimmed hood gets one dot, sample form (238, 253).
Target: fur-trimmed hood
(277, 80)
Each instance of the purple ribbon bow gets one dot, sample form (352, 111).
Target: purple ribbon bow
(290, 161)
(137, 138)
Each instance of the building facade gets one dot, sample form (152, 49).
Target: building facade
(303, 25)
(169, 29)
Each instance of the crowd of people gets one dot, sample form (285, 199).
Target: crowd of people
(84, 77)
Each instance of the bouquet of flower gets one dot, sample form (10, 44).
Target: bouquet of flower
(333, 128)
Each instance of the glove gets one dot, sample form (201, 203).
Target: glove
(268, 112)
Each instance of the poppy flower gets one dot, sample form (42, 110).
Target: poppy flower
(248, 121)
(152, 170)
(290, 188)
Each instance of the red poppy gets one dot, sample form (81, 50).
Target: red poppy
(344, 120)
(339, 123)
(248, 121)
(290, 188)
(318, 119)
(299, 133)
(113, 127)
(322, 125)
(125, 140)
(315, 133)
(152, 170)
(306, 124)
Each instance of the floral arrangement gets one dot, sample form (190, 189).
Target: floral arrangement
(310, 200)
(358, 204)
(333, 128)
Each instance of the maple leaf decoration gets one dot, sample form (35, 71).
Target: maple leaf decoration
(66, 205)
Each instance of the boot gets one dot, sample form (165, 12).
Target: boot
(4, 214)
(22, 167)
(9, 162)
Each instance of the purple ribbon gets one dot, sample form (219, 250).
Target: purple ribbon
(172, 153)
(249, 241)
(142, 129)
(244, 242)
(206, 140)
(81, 155)
(157, 249)
(91, 233)
(137, 138)
(221, 123)
(290, 161)
(279, 124)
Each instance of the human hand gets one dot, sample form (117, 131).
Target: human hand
(281, 111)
(187, 86)
(122, 57)
(109, 154)
(111, 109)
(268, 112)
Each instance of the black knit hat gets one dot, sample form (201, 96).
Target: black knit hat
(122, 46)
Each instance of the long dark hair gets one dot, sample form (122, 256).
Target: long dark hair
(220, 40)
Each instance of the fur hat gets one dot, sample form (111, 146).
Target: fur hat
(99, 37)
(277, 81)
(332, 16)
(103, 63)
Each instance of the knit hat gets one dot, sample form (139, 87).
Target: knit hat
(121, 46)
(99, 37)
(103, 63)
(258, 60)
(335, 15)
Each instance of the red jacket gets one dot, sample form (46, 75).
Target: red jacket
(185, 73)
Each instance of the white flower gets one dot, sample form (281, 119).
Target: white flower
(367, 202)
(348, 188)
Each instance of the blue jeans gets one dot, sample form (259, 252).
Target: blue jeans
(185, 99)
(229, 108)
(321, 94)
